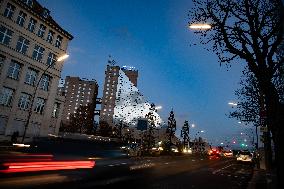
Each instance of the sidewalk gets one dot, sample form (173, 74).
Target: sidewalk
(262, 180)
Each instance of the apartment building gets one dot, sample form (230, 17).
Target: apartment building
(78, 92)
(30, 44)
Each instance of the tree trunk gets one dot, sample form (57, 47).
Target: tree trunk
(275, 121)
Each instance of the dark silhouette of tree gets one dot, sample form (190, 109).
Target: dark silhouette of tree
(251, 109)
(82, 121)
(148, 139)
(171, 126)
(105, 129)
(184, 134)
(250, 30)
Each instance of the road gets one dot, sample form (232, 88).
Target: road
(166, 172)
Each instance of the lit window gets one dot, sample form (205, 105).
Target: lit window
(51, 59)
(50, 36)
(67, 117)
(31, 77)
(6, 96)
(21, 18)
(24, 101)
(56, 108)
(9, 11)
(32, 25)
(41, 30)
(44, 83)
(22, 45)
(5, 35)
(38, 52)
(58, 41)
(14, 70)
(39, 106)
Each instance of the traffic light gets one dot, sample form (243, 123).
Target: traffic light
(242, 144)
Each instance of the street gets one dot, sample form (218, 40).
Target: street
(153, 172)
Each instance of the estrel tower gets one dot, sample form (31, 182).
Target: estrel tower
(122, 100)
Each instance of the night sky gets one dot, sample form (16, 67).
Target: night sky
(175, 70)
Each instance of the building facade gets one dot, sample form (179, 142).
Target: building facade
(122, 101)
(30, 43)
(78, 92)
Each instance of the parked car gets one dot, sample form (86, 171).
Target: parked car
(245, 156)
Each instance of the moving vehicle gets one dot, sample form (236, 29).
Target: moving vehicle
(228, 153)
(245, 156)
(214, 152)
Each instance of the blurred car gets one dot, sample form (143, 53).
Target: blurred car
(187, 151)
(214, 152)
(245, 156)
(228, 153)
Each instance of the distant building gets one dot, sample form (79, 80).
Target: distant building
(30, 41)
(78, 92)
(121, 99)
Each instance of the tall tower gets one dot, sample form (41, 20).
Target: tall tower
(121, 99)
(109, 93)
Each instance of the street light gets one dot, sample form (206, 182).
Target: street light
(232, 103)
(61, 58)
(200, 26)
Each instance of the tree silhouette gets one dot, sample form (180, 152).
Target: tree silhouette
(171, 126)
(184, 134)
(82, 121)
(250, 30)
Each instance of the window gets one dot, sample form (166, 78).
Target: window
(24, 101)
(22, 45)
(56, 108)
(44, 83)
(31, 77)
(14, 70)
(9, 11)
(6, 96)
(51, 59)
(45, 13)
(38, 53)
(28, 2)
(5, 35)
(58, 41)
(21, 18)
(50, 36)
(40, 102)
(2, 59)
(32, 25)
(41, 30)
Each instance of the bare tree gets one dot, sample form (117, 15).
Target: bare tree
(250, 30)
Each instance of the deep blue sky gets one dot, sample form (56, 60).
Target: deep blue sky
(152, 36)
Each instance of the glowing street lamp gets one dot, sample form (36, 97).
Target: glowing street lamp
(232, 103)
(60, 59)
(202, 131)
(192, 125)
(200, 26)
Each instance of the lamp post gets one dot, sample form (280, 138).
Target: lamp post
(63, 57)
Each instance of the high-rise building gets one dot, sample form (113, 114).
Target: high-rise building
(122, 101)
(30, 43)
(78, 92)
